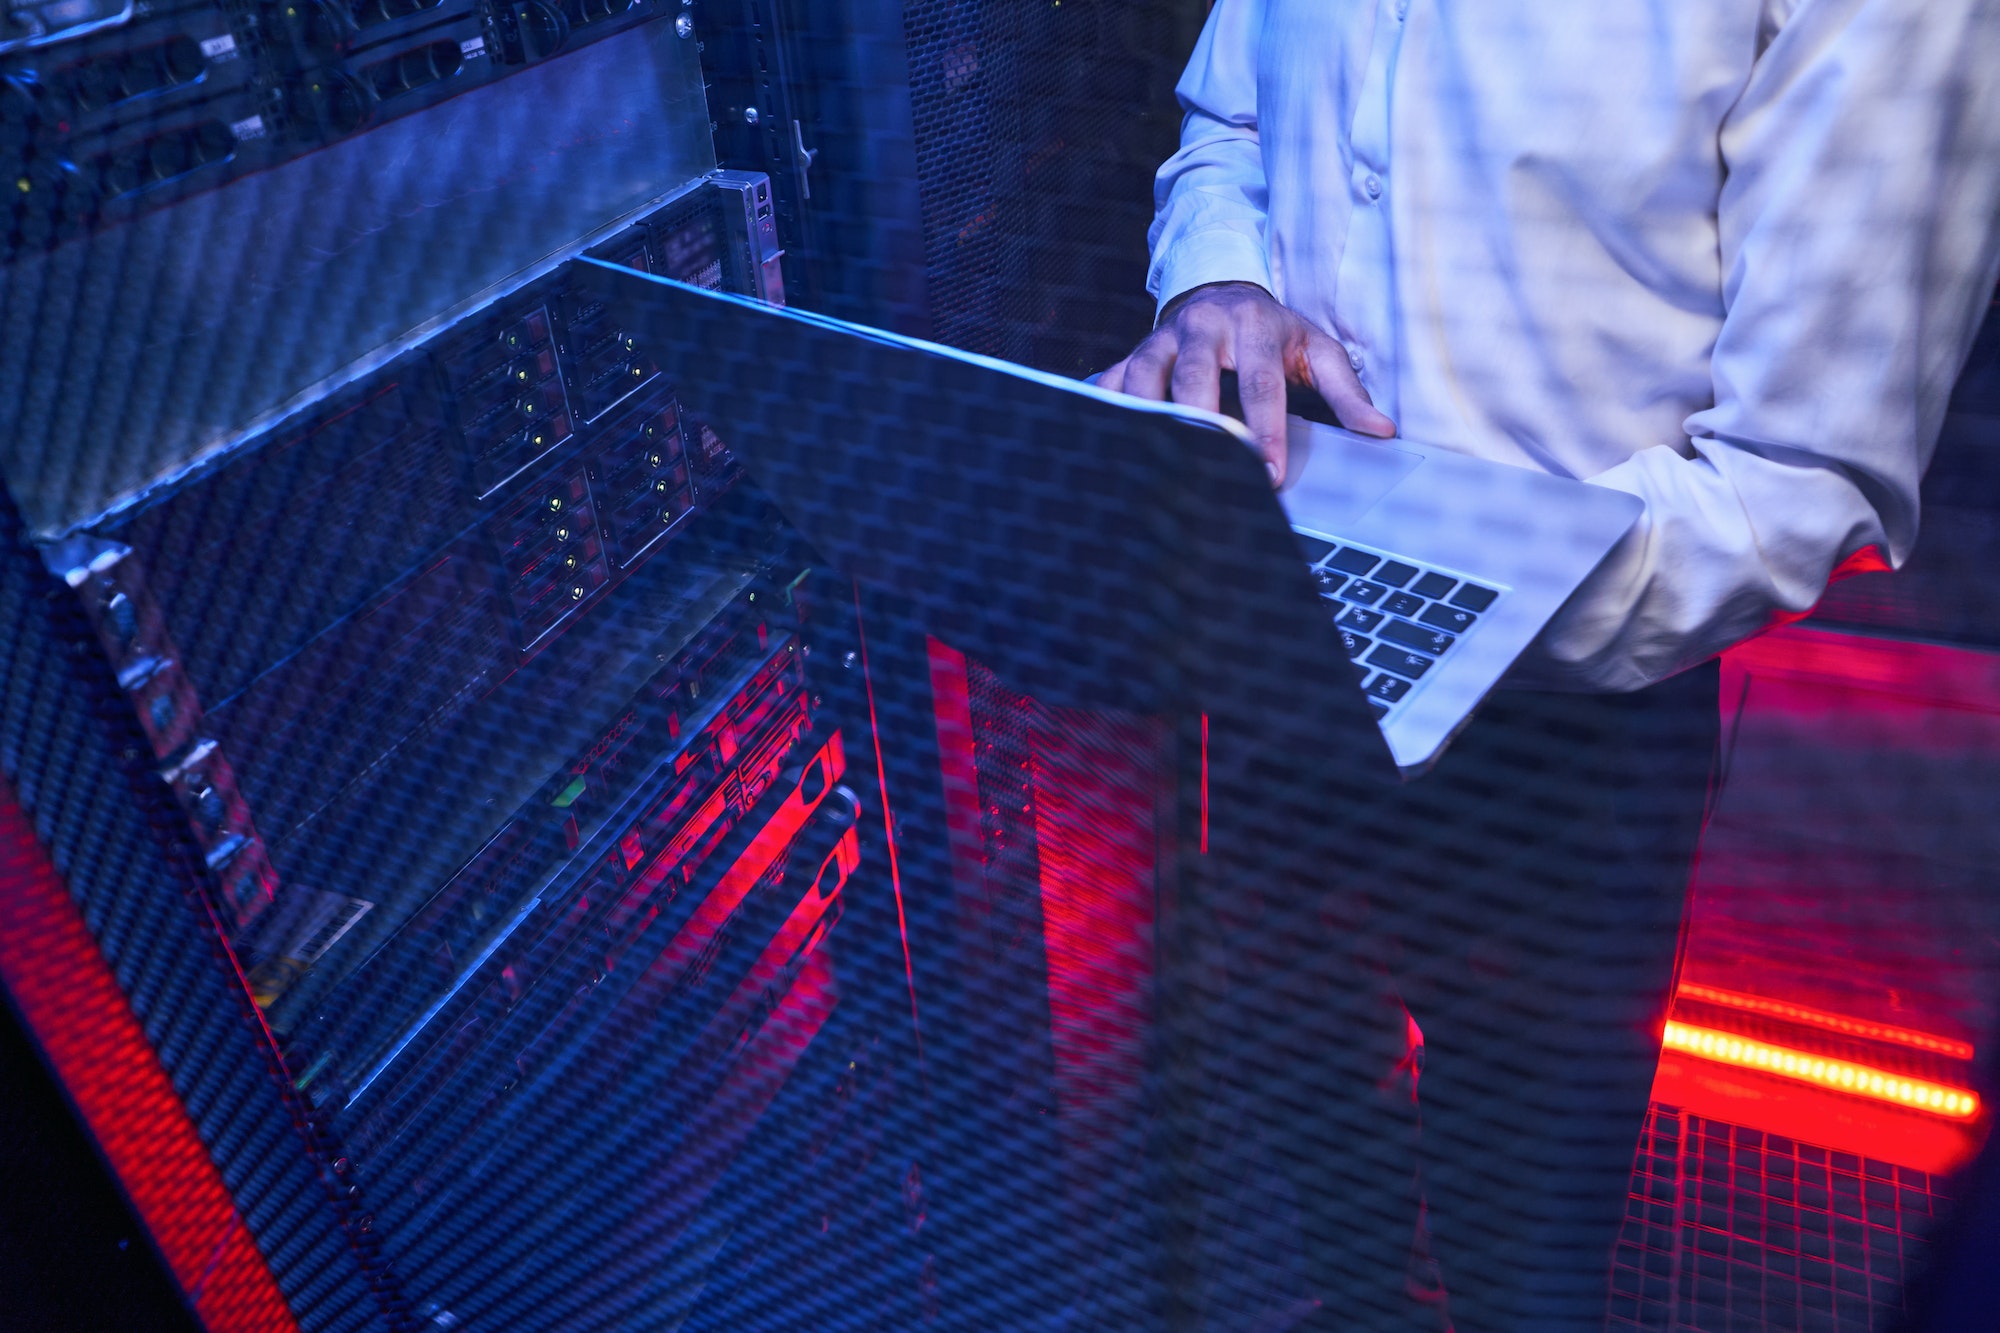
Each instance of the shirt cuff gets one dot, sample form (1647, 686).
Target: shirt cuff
(1217, 255)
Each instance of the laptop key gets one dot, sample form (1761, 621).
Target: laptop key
(1448, 618)
(1361, 590)
(1403, 663)
(1434, 586)
(1329, 584)
(1356, 644)
(1360, 619)
(1395, 573)
(1386, 688)
(1473, 597)
(1403, 604)
(1315, 548)
(1403, 633)
(1380, 709)
(1351, 561)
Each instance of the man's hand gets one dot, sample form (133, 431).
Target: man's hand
(1241, 327)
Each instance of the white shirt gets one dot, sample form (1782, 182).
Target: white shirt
(1727, 255)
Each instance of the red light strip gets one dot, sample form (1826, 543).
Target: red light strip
(65, 991)
(889, 832)
(1757, 1004)
(1835, 1075)
(1204, 784)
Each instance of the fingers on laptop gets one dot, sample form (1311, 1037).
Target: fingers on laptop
(1333, 378)
(1203, 354)
(1260, 385)
(1241, 328)
(1144, 372)
(1148, 371)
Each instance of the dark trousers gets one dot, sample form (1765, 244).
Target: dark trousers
(1533, 913)
(1523, 901)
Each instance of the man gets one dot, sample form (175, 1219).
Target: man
(1727, 255)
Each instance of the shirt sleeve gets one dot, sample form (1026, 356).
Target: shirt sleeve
(1858, 249)
(1210, 195)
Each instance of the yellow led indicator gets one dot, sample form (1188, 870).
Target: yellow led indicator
(23, 185)
(1834, 1075)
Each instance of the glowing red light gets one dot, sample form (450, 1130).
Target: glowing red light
(1836, 1075)
(889, 830)
(1851, 1027)
(1204, 784)
(65, 991)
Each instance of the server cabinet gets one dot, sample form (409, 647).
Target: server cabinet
(436, 808)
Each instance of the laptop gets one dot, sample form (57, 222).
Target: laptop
(1439, 569)
(1103, 551)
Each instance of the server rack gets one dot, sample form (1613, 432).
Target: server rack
(442, 860)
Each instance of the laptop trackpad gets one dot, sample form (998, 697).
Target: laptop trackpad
(1332, 478)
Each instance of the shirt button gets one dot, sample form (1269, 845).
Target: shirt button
(1354, 360)
(1374, 186)
(1402, 8)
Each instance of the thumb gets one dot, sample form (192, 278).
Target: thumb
(1336, 382)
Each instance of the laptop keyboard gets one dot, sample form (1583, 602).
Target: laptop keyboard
(1397, 617)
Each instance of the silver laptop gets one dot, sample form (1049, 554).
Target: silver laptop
(985, 491)
(1439, 569)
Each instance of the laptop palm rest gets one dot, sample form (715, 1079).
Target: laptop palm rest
(1334, 492)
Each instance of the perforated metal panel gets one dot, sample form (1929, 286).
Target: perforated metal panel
(1038, 129)
(1732, 1230)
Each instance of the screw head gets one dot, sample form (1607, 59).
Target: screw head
(210, 808)
(684, 24)
(124, 616)
(751, 115)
